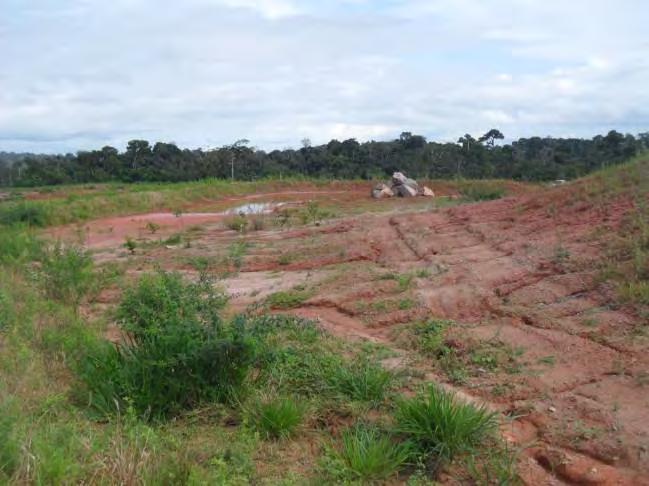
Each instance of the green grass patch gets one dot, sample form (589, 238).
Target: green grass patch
(277, 418)
(288, 299)
(442, 426)
(367, 454)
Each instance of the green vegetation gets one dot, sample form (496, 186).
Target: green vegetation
(179, 353)
(482, 190)
(441, 425)
(277, 418)
(288, 299)
(529, 159)
(363, 381)
(368, 454)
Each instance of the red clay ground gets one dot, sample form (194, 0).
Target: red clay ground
(516, 276)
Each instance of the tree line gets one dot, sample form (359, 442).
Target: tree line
(529, 159)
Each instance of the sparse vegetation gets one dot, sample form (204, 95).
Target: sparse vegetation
(288, 299)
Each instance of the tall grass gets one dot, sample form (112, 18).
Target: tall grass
(369, 455)
(277, 418)
(441, 425)
(363, 381)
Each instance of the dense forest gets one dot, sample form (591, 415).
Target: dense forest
(532, 159)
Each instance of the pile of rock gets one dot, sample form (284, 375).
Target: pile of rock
(401, 186)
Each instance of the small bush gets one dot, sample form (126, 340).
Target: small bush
(367, 454)
(442, 426)
(429, 336)
(152, 227)
(363, 381)
(277, 418)
(179, 352)
(68, 274)
(130, 244)
(237, 223)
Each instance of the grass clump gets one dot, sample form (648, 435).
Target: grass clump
(481, 190)
(288, 299)
(277, 418)
(23, 213)
(363, 381)
(441, 426)
(18, 244)
(179, 353)
(369, 454)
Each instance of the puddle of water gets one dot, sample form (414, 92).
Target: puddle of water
(253, 208)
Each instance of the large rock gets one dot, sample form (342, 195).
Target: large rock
(401, 186)
(404, 186)
(405, 191)
(382, 190)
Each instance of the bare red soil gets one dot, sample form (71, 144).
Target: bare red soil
(520, 271)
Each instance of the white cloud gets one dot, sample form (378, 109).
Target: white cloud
(82, 73)
(273, 9)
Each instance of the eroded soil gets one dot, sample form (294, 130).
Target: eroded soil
(513, 274)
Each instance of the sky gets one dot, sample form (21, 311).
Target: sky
(81, 74)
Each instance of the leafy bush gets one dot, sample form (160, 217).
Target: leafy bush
(277, 418)
(367, 454)
(363, 381)
(67, 274)
(441, 425)
(178, 353)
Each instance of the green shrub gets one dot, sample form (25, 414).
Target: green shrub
(179, 353)
(429, 336)
(67, 274)
(441, 425)
(363, 381)
(130, 244)
(277, 418)
(18, 245)
(367, 454)
(24, 212)
(237, 223)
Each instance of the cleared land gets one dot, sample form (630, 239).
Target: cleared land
(534, 304)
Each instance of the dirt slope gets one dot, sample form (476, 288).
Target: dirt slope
(520, 274)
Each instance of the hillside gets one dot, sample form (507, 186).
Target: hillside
(532, 306)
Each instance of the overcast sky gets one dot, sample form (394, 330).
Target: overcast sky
(79, 74)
